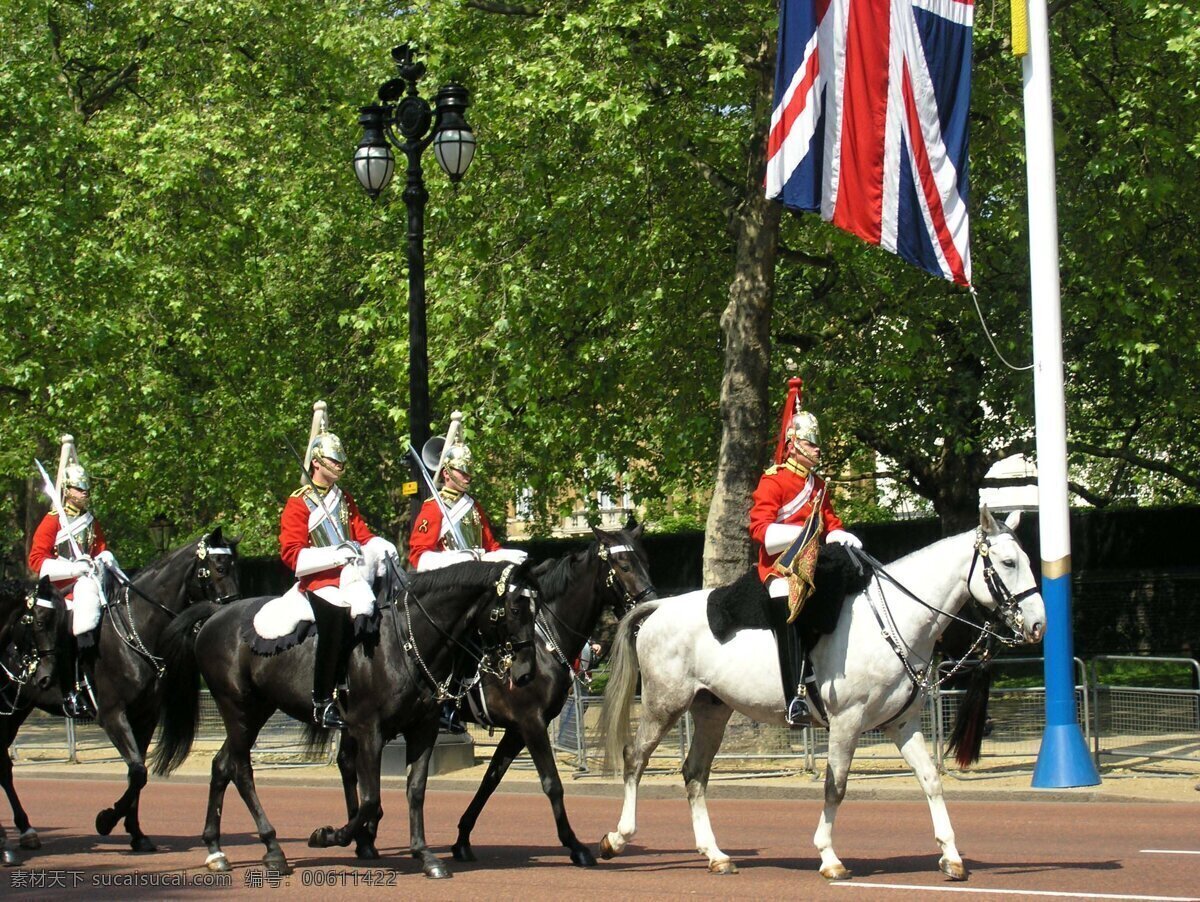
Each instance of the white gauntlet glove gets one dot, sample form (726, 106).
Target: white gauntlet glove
(844, 538)
(435, 560)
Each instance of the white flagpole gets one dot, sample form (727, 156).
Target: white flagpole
(1063, 759)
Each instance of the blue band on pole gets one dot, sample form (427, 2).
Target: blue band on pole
(1063, 759)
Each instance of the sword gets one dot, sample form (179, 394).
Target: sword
(455, 532)
(56, 502)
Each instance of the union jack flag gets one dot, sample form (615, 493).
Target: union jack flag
(870, 123)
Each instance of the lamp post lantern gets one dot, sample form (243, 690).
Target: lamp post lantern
(161, 529)
(405, 120)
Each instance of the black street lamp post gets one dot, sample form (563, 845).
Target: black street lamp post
(161, 529)
(402, 110)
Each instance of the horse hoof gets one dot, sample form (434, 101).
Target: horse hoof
(9, 858)
(278, 864)
(30, 840)
(142, 844)
(582, 857)
(105, 821)
(218, 863)
(606, 849)
(836, 872)
(321, 838)
(955, 870)
(722, 867)
(366, 852)
(437, 871)
(462, 852)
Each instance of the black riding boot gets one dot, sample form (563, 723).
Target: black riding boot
(332, 656)
(79, 696)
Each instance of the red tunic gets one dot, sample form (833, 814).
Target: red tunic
(43, 548)
(778, 486)
(427, 532)
(294, 537)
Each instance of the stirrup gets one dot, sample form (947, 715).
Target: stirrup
(78, 704)
(327, 715)
(798, 712)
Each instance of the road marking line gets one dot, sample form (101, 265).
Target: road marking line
(1016, 892)
(1169, 851)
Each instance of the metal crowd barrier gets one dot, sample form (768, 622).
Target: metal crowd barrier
(1152, 722)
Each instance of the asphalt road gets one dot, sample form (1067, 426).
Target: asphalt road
(1113, 850)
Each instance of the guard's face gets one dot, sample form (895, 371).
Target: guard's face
(806, 452)
(77, 498)
(326, 471)
(458, 480)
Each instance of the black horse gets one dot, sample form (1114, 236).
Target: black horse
(396, 680)
(127, 669)
(27, 643)
(611, 573)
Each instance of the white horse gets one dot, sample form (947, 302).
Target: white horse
(869, 675)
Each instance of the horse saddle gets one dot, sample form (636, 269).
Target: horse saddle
(273, 625)
(745, 604)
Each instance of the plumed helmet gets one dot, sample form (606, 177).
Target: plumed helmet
(76, 477)
(804, 427)
(458, 457)
(327, 446)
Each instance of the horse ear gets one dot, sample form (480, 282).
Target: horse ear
(232, 541)
(602, 535)
(214, 537)
(633, 527)
(986, 522)
(1013, 520)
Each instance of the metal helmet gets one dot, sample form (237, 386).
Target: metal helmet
(458, 457)
(804, 428)
(327, 446)
(76, 477)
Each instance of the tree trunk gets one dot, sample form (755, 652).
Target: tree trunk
(746, 324)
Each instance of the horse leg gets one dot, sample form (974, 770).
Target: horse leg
(222, 773)
(115, 721)
(507, 749)
(911, 742)
(8, 858)
(421, 739)
(360, 826)
(243, 779)
(709, 716)
(28, 837)
(143, 730)
(346, 757)
(540, 749)
(656, 719)
(843, 740)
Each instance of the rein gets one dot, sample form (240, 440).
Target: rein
(504, 651)
(1007, 608)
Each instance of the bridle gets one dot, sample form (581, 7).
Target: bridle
(201, 574)
(204, 552)
(497, 654)
(30, 659)
(613, 582)
(1008, 605)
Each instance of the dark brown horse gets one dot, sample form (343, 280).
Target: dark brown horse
(127, 669)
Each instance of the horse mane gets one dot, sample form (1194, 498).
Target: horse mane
(12, 593)
(467, 575)
(555, 576)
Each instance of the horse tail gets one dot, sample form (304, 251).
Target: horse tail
(316, 742)
(180, 714)
(966, 740)
(622, 683)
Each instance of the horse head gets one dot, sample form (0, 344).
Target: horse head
(507, 627)
(627, 566)
(214, 575)
(34, 628)
(1001, 578)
